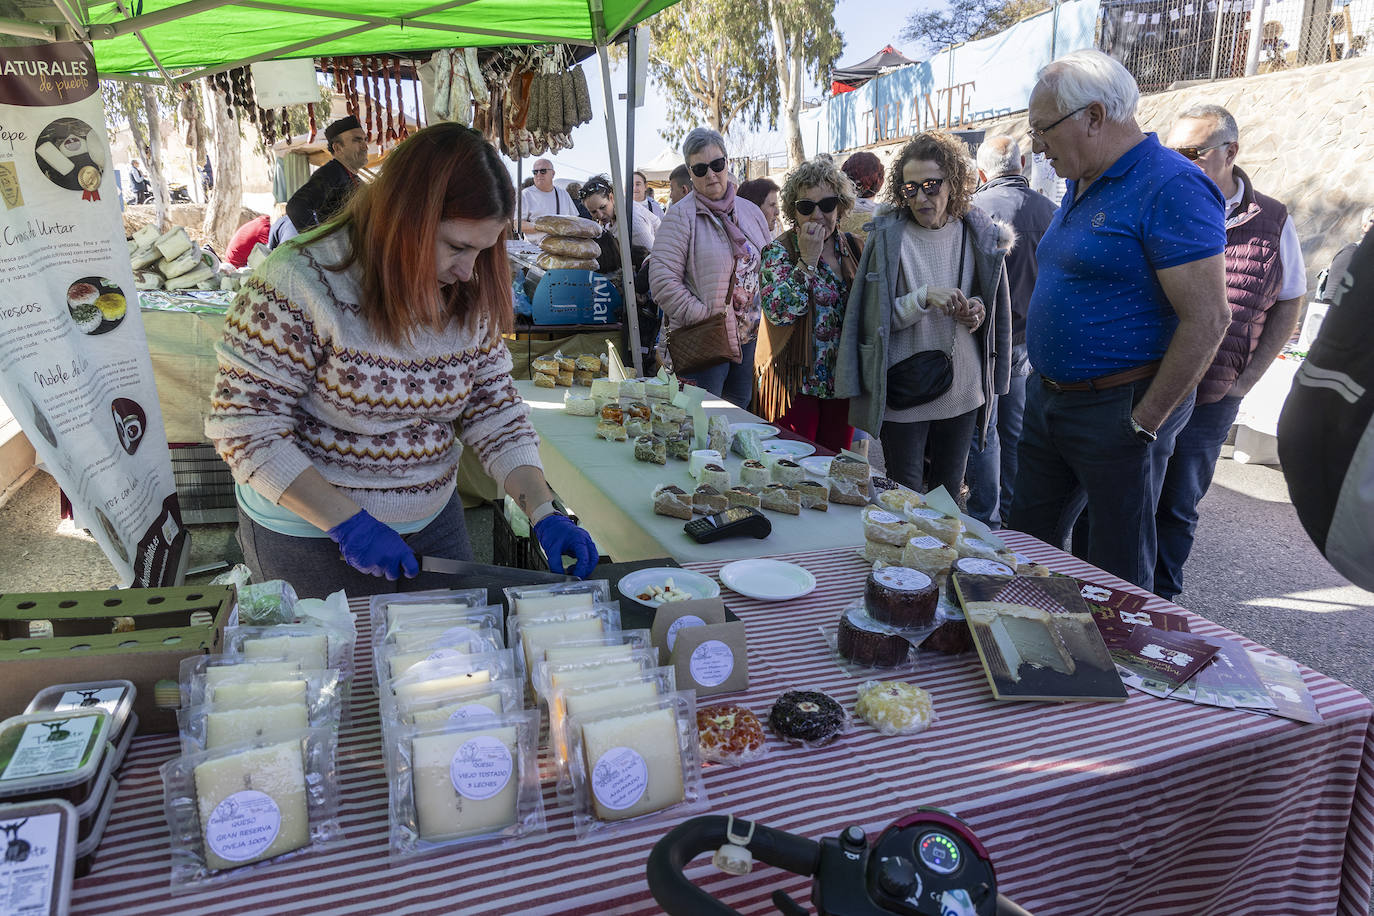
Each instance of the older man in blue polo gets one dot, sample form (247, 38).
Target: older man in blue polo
(1128, 310)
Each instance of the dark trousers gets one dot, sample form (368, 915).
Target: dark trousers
(992, 469)
(1186, 480)
(1077, 452)
(825, 421)
(732, 381)
(907, 446)
(315, 568)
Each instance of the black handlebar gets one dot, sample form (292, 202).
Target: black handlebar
(691, 838)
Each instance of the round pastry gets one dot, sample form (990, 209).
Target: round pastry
(864, 641)
(806, 717)
(894, 707)
(753, 473)
(730, 733)
(787, 471)
(901, 597)
(952, 636)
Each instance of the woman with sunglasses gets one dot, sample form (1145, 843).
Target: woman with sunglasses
(706, 263)
(359, 362)
(926, 343)
(806, 277)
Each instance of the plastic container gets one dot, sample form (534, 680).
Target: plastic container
(121, 748)
(115, 696)
(53, 755)
(86, 848)
(48, 826)
(89, 810)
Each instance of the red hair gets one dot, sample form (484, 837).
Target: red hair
(446, 171)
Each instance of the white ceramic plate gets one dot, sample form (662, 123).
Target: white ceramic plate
(767, 580)
(789, 448)
(685, 580)
(764, 430)
(816, 465)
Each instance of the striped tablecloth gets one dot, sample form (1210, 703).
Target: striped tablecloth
(1149, 807)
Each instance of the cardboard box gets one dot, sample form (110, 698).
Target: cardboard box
(83, 646)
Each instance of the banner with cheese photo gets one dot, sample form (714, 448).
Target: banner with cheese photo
(74, 363)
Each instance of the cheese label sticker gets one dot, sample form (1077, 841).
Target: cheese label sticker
(480, 768)
(55, 746)
(981, 567)
(470, 714)
(686, 620)
(883, 518)
(925, 513)
(900, 577)
(28, 873)
(620, 778)
(439, 654)
(928, 542)
(243, 825)
(711, 663)
(106, 698)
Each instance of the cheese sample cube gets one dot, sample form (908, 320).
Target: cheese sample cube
(252, 805)
(258, 723)
(634, 764)
(465, 783)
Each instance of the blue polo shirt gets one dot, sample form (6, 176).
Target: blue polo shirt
(1098, 307)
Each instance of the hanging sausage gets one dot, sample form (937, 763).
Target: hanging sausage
(310, 110)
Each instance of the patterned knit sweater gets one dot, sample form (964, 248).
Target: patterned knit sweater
(303, 381)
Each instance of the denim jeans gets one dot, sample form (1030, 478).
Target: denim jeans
(906, 446)
(1078, 452)
(1189, 474)
(315, 568)
(732, 381)
(992, 469)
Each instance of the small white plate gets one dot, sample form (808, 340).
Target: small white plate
(789, 448)
(764, 430)
(767, 580)
(693, 583)
(816, 465)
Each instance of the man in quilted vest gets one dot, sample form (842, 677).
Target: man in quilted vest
(1265, 283)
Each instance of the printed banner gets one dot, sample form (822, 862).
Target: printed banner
(74, 364)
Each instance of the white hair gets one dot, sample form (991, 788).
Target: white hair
(999, 156)
(1224, 128)
(699, 138)
(1085, 76)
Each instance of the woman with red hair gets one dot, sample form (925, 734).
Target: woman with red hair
(359, 361)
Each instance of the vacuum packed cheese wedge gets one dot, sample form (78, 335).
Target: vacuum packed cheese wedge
(252, 805)
(466, 783)
(634, 765)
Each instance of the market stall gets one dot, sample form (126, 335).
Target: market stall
(1153, 805)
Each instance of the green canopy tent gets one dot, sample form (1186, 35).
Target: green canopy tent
(143, 40)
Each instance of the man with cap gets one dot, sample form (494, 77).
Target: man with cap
(328, 189)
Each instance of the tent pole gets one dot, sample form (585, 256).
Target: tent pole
(624, 200)
(520, 197)
(631, 62)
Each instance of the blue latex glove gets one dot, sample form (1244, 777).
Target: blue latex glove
(558, 536)
(376, 549)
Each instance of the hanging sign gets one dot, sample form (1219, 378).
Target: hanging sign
(74, 363)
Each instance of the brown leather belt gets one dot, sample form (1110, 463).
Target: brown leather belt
(1101, 383)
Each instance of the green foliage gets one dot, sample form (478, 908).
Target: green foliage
(966, 20)
(808, 26)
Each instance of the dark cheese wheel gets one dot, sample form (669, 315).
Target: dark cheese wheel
(901, 597)
(866, 642)
(974, 566)
(806, 717)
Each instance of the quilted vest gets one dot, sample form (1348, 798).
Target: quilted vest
(1254, 276)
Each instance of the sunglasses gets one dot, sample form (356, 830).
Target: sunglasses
(930, 187)
(542, 171)
(715, 165)
(593, 187)
(806, 207)
(1194, 153)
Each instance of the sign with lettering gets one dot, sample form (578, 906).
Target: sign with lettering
(74, 363)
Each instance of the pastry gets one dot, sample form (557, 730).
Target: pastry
(718, 435)
(672, 501)
(636, 428)
(613, 413)
(579, 406)
(678, 447)
(886, 528)
(741, 496)
(806, 717)
(715, 475)
(566, 363)
(894, 707)
(545, 380)
(565, 379)
(651, 449)
(546, 364)
(780, 498)
(813, 495)
(587, 363)
(754, 473)
(930, 555)
(612, 432)
(730, 733)
(707, 500)
(936, 523)
(787, 471)
(865, 641)
(638, 410)
(901, 597)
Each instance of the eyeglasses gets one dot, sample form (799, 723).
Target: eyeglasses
(542, 171)
(1194, 153)
(593, 187)
(1038, 133)
(806, 207)
(930, 187)
(715, 165)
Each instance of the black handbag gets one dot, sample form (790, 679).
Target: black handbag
(922, 377)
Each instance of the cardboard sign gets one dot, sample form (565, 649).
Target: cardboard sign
(712, 659)
(671, 619)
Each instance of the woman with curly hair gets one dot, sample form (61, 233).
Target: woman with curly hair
(926, 341)
(805, 281)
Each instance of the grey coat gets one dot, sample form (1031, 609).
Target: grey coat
(861, 364)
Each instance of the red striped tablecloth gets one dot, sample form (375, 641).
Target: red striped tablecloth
(1148, 807)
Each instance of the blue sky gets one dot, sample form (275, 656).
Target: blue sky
(864, 34)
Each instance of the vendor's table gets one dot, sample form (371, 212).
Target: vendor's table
(1149, 807)
(609, 491)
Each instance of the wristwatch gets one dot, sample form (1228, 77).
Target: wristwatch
(1141, 433)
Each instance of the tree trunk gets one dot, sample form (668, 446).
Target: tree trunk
(155, 175)
(226, 198)
(796, 153)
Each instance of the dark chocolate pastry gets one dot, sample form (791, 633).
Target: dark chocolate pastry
(806, 717)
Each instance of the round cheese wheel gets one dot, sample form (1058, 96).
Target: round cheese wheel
(864, 641)
(901, 597)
